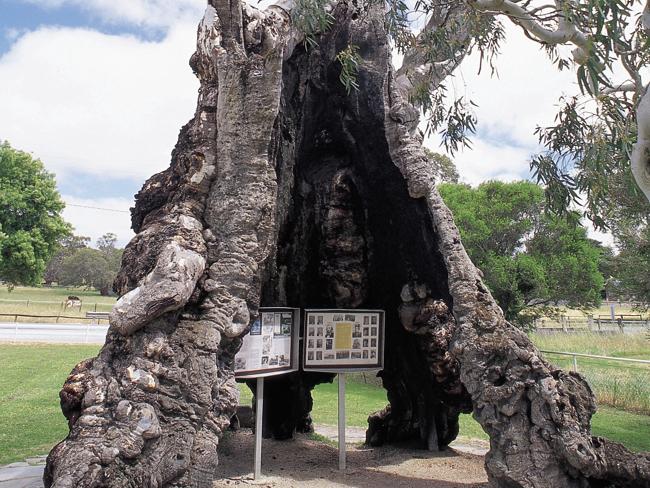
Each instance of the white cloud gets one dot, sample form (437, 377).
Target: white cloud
(525, 94)
(93, 223)
(490, 161)
(103, 104)
(149, 13)
(605, 238)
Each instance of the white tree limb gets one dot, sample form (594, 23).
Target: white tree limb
(640, 158)
(645, 16)
(565, 33)
(628, 86)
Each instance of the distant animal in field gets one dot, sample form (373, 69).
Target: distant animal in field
(73, 301)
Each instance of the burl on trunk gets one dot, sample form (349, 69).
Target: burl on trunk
(286, 190)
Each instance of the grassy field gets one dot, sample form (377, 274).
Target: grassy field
(31, 422)
(29, 301)
(30, 417)
(616, 383)
(616, 345)
(361, 399)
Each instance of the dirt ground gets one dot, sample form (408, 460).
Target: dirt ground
(303, 462)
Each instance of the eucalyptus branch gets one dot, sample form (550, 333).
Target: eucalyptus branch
(628, 86)
(566, 31)
(640, 158)
(633, 72)
(645, 16)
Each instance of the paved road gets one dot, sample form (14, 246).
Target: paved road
(53, 333)
(27, 474)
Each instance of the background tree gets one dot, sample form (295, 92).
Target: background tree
(68, 245)
(628, 217)
(30, 217)
(89, 267)
(107, 242)
(529, 257)
(633, 265)
(444, 167)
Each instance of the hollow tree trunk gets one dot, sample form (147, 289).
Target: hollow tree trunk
(149, 410)
(285, 190)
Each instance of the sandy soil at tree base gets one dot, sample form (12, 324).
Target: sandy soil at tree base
(303, 462)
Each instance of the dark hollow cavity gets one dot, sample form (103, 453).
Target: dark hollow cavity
(350, 236)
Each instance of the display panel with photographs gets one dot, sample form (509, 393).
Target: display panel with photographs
(343, 339)
(270, 347)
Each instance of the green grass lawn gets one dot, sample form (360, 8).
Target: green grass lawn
(26, 300)
(616, 383)
(31, 376)
(31, 421)
(616, 345)
(631, 429)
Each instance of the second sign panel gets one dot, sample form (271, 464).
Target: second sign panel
(343, 340)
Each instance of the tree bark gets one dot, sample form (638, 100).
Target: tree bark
(286, 190)
(149, 410)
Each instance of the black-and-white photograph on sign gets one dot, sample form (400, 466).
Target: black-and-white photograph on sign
(344, 339)
(271, 346)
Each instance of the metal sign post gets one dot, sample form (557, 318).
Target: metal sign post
(341, 421)
(343, 341)
(269, 349)
(259, 412)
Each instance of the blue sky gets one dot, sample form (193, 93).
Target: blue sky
(98, 89)
(20, 16)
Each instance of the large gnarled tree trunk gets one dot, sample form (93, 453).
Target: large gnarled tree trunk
(286, 190)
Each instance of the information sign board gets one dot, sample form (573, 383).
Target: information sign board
(271, 346)
(343, 340)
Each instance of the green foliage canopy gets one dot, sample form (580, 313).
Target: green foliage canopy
(529, 257)
(632, 264)
(628, 217)
(30, 217)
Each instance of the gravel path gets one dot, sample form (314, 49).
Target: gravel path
(307, 463)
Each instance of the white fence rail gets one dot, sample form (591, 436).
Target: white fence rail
(593, 324)
(576, 355)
